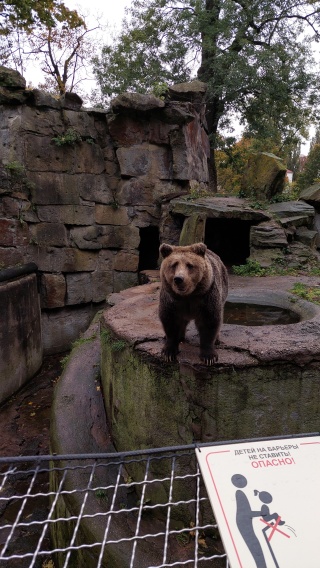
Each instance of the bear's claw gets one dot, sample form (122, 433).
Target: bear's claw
(209, 360)
(168, 356)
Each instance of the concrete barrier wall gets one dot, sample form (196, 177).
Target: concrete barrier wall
(20, 332)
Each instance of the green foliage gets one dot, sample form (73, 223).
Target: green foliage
(183, 538)
(231, 160)
(149, 51)
(29, 14)
(69, 138)
(197, 190)
(14, 177)
(290, 193)
(251, 268)
(118, 345)
(105, 336)
(114, 204)
(64, 361)
(160, 90)
(314, 270)
(47, 35)
(311, 171)
(77, 343)
(254, 56)
(280, 267)
(82, 341)
(15, 169)
(287, 116)
(309, 293)
(255, 204)
(101, 494)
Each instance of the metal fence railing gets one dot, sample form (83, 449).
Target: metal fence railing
(90, 510)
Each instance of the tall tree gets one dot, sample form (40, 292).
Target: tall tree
(64, 54)
(311, 170)
(28, 14)
(254, 55)
(315, 138)
(48, 35)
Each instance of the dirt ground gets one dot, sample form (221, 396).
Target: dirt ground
(25, 417)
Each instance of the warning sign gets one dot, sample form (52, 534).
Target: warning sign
(266, 499)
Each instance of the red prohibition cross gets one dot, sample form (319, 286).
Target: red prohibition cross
(274, 528)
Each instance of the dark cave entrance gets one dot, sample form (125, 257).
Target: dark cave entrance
(149, 248)
(229, 238)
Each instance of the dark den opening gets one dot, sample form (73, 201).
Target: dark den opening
(149, 248)
(229, 238)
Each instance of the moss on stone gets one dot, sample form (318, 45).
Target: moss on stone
(151, 405)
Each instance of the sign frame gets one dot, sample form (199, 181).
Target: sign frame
(265, 497)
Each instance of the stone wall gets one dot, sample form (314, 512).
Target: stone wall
(80, 190)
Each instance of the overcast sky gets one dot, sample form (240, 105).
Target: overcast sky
(112, 11)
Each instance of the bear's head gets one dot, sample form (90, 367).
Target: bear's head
(184, 269)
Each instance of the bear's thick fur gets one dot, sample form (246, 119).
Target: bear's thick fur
(194, 286)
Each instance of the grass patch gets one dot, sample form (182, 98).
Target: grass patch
(106, 336)
(101, 494)
(197, 190)
(81, 341)
(250, 268)
(279, 268)
(309, 293)
(116, 344)
(64, 361)
(15, 174)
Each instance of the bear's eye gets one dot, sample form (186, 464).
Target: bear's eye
(189, 265)
(174, 265)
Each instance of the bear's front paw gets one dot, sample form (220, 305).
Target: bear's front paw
(209, 358)
(169, 355)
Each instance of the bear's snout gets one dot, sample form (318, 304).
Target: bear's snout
(178, 280)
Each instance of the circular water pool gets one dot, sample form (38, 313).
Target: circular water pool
(242, 313)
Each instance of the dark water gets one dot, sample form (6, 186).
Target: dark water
(257, 314)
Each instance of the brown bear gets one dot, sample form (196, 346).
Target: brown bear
(194, 286)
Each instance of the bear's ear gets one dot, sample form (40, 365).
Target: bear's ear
(165, 250)
(199, 248)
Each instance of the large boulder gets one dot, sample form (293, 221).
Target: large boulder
(194, 91)
(71, 101)
(264, 176)
(293, 213)
(11, 79)
(136, 102)
(12, 87)
(311, 194)
(268, 235)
